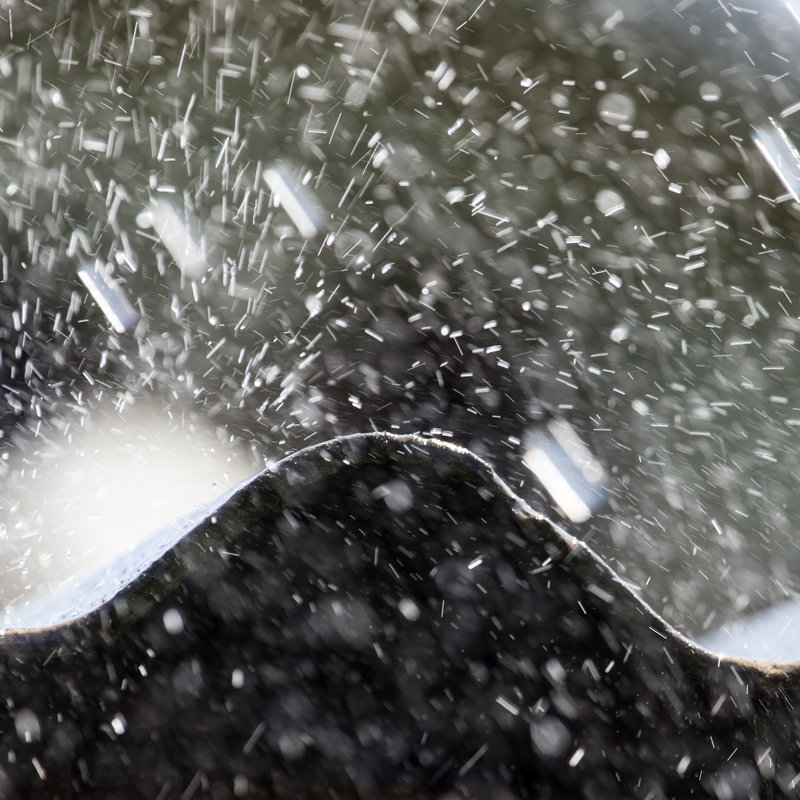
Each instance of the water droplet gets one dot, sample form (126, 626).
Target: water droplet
(710, 92)
(616, 109)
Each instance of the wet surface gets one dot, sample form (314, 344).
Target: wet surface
(382, 617)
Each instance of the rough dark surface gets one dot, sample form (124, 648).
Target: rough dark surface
(379, 615)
